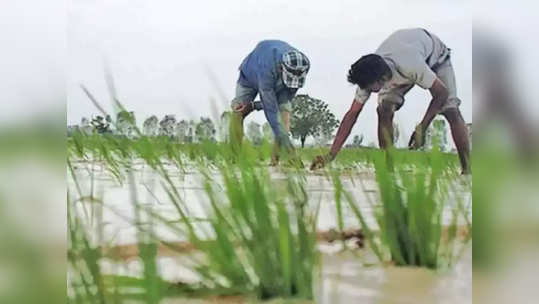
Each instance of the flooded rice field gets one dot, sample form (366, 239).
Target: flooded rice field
(344, 276)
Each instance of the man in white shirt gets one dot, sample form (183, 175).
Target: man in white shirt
(406, 58)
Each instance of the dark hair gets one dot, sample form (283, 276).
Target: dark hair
(367, 70)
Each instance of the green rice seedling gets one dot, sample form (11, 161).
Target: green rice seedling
(85, 280)
(259, 234)
(260, 238)
(147, 248)
(337, 185)
(410, 213)
(281, 259)
(87, 283)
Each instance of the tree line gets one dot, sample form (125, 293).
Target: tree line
(124, 125)
(310, 117)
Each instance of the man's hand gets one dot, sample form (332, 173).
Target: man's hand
(240, 107)
(243, 108)
(320, 161)
(417, 140)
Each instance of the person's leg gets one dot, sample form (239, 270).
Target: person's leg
(385, 112)
(459, 132)
(388, 103)
(242, 105)
(451, 112)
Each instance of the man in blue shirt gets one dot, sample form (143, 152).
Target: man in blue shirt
(275, 70)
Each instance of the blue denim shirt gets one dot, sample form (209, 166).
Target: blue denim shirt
(261, 70)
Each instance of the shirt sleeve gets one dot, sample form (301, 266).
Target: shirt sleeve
(417, 70)
(271, 108)
(361, 95)
(285, 96)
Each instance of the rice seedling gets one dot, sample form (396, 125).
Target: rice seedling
(85, 277)
(261, 238)
(261, 235)
(409, 216)
(258, 234)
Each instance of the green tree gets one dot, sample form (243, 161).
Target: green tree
(125, 123)
(437, 134)
(85, 126)
(356, 142)
(167, 126)
(396, 133)
(101, 125)
(254, 133)
(205, 130)
(224, 126)
(180, 130)
(311, 117)
(151, 126)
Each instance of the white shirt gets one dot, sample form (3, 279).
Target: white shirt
(411, 54)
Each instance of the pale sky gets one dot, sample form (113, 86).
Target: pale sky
(175, 57)
(32, 60)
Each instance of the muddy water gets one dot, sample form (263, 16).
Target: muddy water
(344, 278)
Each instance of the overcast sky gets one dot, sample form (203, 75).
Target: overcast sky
(175, 57)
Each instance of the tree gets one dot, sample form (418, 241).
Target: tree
(224, 126)
(180, 130)
(101, 125)
(190, 134)
(151, 126)
(356, 142)
(205, 130)
(437, 134)
(311, 117)
(167, 126)
(396, 133)
(125, 124)
(254, 133)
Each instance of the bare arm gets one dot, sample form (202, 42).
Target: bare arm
(345, 128)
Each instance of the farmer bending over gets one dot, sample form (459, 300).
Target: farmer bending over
(406, 58)
(275, 70)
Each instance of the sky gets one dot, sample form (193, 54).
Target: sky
(178, 57)
(32, 60)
